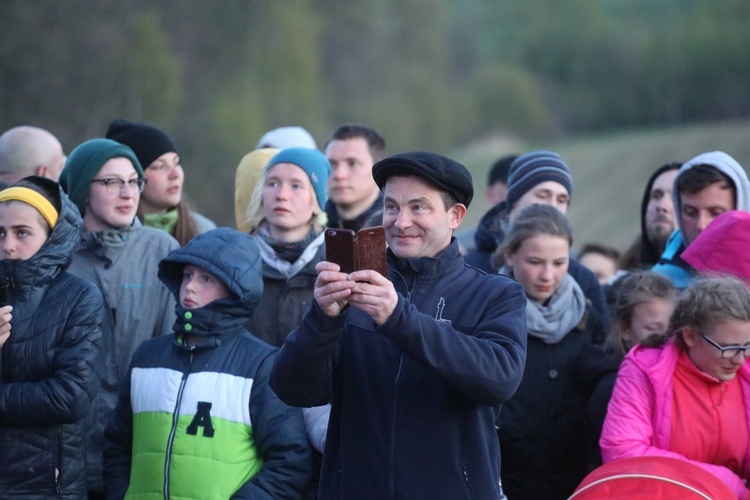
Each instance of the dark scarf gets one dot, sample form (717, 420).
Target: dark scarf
(290, 251)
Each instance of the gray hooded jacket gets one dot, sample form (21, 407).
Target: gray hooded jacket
(727, 166)
(123, 264)
(671, 264)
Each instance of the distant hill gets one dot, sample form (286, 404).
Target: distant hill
(610, 171)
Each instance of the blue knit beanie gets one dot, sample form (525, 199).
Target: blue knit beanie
(85, 161)
(531, 169)
(313, 162)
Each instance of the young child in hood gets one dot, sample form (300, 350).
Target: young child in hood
(196, 417)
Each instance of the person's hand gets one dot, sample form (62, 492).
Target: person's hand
(373, 294)
(332, 288)
(5, 317)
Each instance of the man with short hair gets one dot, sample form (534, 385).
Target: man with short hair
(26, 151)
(540, 177)
(497, 180)
(658, 220)
(354, 199)
(704, 188)
(416, 364)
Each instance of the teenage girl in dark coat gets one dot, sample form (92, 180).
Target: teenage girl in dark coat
(545, 434)
(51, 361)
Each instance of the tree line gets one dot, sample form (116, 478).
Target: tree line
(429, 74)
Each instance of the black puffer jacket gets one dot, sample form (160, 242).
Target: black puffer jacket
(50, 370)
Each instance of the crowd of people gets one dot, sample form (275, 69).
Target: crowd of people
(144, 352)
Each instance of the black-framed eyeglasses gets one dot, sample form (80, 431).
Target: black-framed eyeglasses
(115, 185)
(729, 351)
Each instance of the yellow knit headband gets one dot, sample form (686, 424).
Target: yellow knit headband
(34, 199)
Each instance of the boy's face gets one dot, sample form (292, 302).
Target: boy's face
(549, 193)
(200, 288)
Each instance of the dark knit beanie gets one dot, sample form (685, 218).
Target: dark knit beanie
(85, 162)
(147, 141)
(443, 172)
(313, 162)
(531, 169)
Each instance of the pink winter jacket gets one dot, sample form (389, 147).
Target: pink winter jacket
(638, 421)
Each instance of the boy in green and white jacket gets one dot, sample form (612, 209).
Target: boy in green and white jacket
(195, 417)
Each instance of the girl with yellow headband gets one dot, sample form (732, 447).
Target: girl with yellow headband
(50, 339)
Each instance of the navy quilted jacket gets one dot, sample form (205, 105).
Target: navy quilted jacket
(50, 369)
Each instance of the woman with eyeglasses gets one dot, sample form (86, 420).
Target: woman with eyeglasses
(117, 253)
(689, 398)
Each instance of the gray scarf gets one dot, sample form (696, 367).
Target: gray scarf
(287, 269)
(552, 322)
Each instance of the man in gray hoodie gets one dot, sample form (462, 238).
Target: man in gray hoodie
(705, 187)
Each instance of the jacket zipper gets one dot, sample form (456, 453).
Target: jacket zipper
(173, 430)
(468, 482)
(392, 447)
(391, 486)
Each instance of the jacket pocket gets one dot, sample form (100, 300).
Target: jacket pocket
(468, 483)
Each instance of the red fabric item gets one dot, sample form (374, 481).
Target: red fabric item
(721, 248)
(651, 478)
(708, 418)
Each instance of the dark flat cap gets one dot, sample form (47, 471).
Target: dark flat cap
(446, 174)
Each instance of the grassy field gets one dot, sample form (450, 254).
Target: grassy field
(610, 172)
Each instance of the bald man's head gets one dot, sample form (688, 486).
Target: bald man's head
(28, 151)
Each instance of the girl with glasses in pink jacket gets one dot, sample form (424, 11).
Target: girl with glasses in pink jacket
(689, 398)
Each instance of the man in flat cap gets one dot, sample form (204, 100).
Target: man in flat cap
(417, 363)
